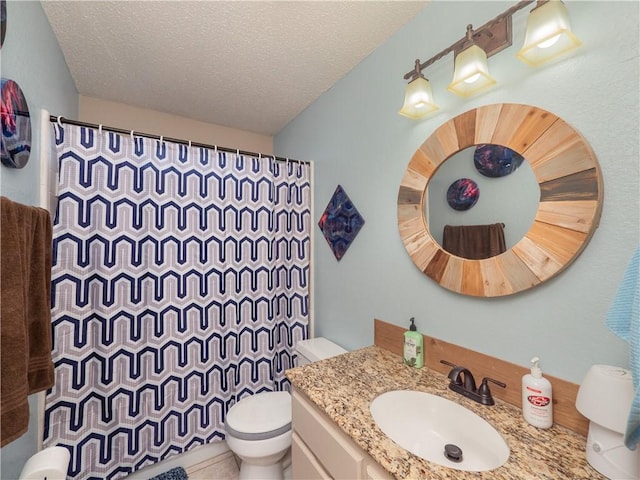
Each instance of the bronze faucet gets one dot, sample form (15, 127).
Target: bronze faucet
(462, 382)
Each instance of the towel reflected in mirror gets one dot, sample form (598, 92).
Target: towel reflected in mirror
(474, 242)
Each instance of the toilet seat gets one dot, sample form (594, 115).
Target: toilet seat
(260, 417)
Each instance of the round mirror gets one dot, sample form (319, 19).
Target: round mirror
(570, 199)
(507, 196)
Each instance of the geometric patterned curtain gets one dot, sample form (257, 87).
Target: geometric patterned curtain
(180, 284)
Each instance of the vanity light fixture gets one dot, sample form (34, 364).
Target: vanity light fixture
(471, 72)
(548, 36)
(418, 97)
(548, 33)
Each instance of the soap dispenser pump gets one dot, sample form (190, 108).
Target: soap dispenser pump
(413, 353)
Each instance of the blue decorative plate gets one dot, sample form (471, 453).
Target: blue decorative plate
(495, 160)
(16, 125)
(463, 194)
(340, 222)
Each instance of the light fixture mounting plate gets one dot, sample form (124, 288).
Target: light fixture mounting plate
(493, 38)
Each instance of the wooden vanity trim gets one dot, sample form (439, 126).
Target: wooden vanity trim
(390, 337)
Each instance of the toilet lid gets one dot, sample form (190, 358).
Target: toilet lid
(260, 416)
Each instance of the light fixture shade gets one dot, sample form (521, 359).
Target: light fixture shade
(548, 34)
(418, 99)
(471, 73)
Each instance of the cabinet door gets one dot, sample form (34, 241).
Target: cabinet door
(331, 446)
(375, 472)
(304, 465)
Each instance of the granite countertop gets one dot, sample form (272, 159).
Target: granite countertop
(344, 386)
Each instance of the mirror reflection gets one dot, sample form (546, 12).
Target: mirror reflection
(504, 208)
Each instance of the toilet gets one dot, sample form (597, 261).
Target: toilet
(259, 427)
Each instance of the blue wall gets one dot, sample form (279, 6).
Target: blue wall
(31, 57)
(357, 140)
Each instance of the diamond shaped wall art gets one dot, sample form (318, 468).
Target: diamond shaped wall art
(340, 222)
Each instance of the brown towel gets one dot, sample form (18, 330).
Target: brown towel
(25, 312)
(474, 242)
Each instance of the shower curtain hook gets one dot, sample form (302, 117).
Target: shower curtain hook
(161, 139)
(100, 129)
(132, 137)
(60, 121)
(189, 144)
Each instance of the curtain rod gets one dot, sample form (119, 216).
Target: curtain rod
(54, 119)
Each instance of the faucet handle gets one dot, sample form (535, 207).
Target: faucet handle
(448, 363)
(497, 382)
(485, 393)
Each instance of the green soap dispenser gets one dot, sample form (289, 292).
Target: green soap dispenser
(413, 355)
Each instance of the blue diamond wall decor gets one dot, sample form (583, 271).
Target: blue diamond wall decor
(340, 222)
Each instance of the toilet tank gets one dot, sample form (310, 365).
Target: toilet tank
(316, 349)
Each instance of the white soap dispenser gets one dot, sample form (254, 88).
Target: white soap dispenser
(537, 399)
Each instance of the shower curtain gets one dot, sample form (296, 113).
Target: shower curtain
(180, 284)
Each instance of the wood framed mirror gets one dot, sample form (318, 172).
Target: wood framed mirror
(571, 193)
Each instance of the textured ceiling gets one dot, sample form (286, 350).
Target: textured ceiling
(252, 65)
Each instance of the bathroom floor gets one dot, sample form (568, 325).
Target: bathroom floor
(226, 467)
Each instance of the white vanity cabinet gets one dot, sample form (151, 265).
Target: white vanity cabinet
(320, 450)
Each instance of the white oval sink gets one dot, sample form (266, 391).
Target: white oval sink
(423, 424)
